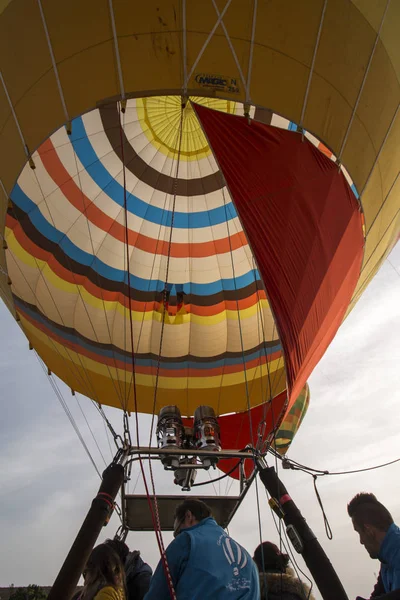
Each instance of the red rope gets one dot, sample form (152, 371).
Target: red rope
(154, 517)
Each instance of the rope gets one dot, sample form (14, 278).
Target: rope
(204, 46)
(163, 556)
(339, 158)
(288, 550)
(184, 38)
(53, 61)
(328, 529)
(315, 473)
(291, 464)
(154, 514)
(250, 65)
(116, 48)
(321, 22)
(120, 394)
(165, 291)
(21, 135)
(77, 375)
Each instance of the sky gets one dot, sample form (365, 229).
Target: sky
(48, 481)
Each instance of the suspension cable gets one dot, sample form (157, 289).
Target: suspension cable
(67, 411)
(154, 513)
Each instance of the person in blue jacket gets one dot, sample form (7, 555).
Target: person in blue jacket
(380, 537)
(203, 561)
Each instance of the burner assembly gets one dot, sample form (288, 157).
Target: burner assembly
(200, 443)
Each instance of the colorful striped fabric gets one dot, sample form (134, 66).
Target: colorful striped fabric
(292, 421)
(202, 327)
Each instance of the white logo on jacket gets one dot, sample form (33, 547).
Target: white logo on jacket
(237, 559)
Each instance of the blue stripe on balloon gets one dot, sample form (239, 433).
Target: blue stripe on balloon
(136, 206)
(19, 197)
(354, 190)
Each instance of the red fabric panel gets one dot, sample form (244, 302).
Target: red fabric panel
(303, 224)
(236, 433)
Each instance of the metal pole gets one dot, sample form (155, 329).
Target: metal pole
(303, 538)
(99, 512)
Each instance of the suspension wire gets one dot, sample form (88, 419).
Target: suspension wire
(83, 197)
(184, 39)
(67, 411)
(90, 236)
(159, 172)
(154, 513)
(355, 107)
(126, 422)
(16, 121)
(287, 547)
(393, 267)
(212, 482)
(292, 464)
(260, 532)
(92, 391)
(239, 322)
(108, 439)
(91, 430)
(54, 63)
(212, 164)
(315, 473)
(262, 325)
(250, 65)
(117, 438)
(297, 569)
(321, 22)
(367, 281)
(218, 478)
(165, 291)
(76, 375)
(328, 529)
(100, 287)
(116, 49)
(245, 373)
(165, 563)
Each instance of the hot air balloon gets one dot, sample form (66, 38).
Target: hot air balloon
(194, 196)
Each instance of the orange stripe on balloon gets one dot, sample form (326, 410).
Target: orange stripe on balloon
(115, 296)
(147, 370)
(83, 204)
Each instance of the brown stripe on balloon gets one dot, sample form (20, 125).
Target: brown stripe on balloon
(110, 285)
(144, 172)
(145, 355)
(264, 115)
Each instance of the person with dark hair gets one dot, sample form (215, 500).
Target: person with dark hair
(277, 579)
(203, 561)
(380, 537)
(137, 572)
(103, 575)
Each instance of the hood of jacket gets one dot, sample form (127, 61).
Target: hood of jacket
(134, 565)
(285, 585)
